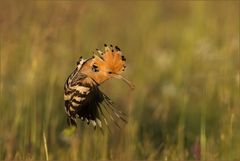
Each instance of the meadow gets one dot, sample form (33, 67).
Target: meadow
(182, 56)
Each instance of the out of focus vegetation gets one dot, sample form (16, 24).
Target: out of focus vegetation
(183, 57)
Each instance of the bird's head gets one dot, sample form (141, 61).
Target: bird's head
(108, 64)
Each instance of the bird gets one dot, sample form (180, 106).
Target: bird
(82, 97)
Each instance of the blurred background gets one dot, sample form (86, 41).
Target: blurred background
(182, 56)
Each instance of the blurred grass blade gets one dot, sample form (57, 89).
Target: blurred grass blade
(45, 146)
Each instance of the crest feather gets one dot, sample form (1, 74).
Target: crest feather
(110, 60)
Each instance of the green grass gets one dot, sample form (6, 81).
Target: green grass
(183, 58)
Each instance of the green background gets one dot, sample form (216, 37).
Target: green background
(182, 56)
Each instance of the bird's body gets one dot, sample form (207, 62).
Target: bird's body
(83, 99)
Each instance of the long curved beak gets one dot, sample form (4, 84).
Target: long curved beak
(125, 80)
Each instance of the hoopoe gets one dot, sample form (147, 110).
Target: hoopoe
(83, 99)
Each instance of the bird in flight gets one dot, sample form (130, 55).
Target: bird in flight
(83, 99)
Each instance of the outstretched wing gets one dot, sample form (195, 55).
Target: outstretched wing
(84, 100)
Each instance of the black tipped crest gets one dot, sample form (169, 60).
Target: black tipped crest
(117, 48)
(123, 58)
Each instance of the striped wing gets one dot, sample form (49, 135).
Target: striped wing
(84, 100)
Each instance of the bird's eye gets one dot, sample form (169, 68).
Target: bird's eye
(109, 72)
(95, 68)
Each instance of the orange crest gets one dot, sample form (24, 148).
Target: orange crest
(111, 60)
(105, 65)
